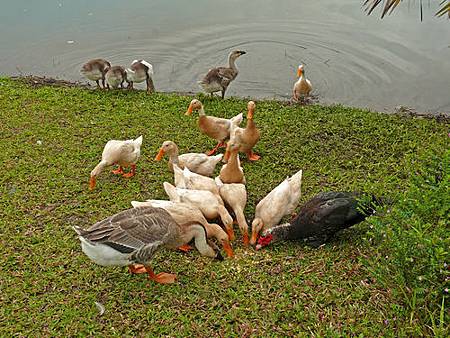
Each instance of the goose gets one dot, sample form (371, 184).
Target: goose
(184, 212)
(281, 201)
(218, 79)
(196, 162)
(235, 196)
(247, 137)
(210, 206)
(140, 71)
(214, 127)
(134, 236)
(115, 77)
(95, 70)
(124, 153)
(321, 218)
(232, 172)
(302, 87)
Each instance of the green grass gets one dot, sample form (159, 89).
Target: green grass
(49, 287)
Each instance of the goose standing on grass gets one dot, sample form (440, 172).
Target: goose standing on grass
(280, 202)
(95, 70)
(196, 162)
(115, 77)
(124, 153)
(184, 212)
(133, 236)
(214, 127)
(247, 137)
(140, 71)
(302, 87)
(218, 79)
(321, 218)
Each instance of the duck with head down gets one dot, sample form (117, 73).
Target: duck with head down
(218, 79)
(95, 70)
(140, 71)
(214, 127)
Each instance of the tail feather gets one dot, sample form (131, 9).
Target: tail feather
(138, 141)
(149, 66)
(237, 119)
(171, 191)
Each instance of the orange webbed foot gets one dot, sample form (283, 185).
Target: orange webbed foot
(164, 278)
(137, 268)
(118, 171)
(185, 248)
(253, 157)
(128, 175)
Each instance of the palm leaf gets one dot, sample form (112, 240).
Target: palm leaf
(390, 5)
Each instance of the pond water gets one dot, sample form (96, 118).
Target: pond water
(350, 58)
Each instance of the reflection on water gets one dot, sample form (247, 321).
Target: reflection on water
(350, 58)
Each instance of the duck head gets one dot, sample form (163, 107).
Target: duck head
(194, 105)
(232, 147)
(236, 53)
(257, 226)
(251, 106)
(300, 70)
(168, 147)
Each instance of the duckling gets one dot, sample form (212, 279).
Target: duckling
(235, 196)
(134, 236)
(321, 218)
(95, 70)
(210, 206)
(196, 162)
(279, 202)
(214, 127)
(140, 71)
(302, 87)
(219, 78)
(232, 172)
(247, 137)
(184, 212)
(115, 76)
(124, 153)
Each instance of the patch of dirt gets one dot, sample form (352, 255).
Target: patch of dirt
(39, 81)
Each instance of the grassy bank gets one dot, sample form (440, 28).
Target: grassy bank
(52, 137)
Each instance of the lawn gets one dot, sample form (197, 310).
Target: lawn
(52, 137)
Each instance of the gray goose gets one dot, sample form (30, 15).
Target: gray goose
(140, 71)
(95, 70)
(218, 79)
(115, 76)
(133, 236)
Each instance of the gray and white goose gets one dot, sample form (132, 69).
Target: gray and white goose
(140, 71)
(95, 70)
(218, 79)
(133, 236)
(115, 77)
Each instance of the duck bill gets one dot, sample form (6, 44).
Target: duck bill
(228, 249)
(246, 239)
(160, 155)
(254, 238)
(226, 157)
(299, 72)
(92, 183)
(190, 110)
(250, 114)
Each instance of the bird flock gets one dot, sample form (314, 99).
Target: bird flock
(196, 200)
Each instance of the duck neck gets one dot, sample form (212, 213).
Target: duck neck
(201, 111)
(281, 232)
(233, 160)
(231, 63)
(198, 232)
(173, 157)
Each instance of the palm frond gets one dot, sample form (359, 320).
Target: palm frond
(390, 5)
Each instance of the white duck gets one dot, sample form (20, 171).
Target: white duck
(184, 213)
(196, 162)
(133, 237)
(235, 196)
(302, 87)
(188, 180)
(124, 153)
(280, 202)
(215, 127)
(210, 206)
(140, 71)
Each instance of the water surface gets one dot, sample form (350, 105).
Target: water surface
(350, 58)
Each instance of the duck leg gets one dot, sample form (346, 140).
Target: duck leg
(98, 84)
(223, 93)
(150, 85)
(131, 173)
(118, 171)
(130, 85)
(162, 277)
(252, 156)
(103, 82)
(213, 151)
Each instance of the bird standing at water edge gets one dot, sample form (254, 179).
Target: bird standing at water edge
(115, 77)
(302, 87)
(218, 79)
(133, 236)
(95, 70)
(140, 71)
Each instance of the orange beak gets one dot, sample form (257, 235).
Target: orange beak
(226, 157)
(190, 110)
(246, 239)
(160, 155)
(230, 233)
(92, 182)
(228, 249)
(299, 72)
(250, 114)
(254, 238)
